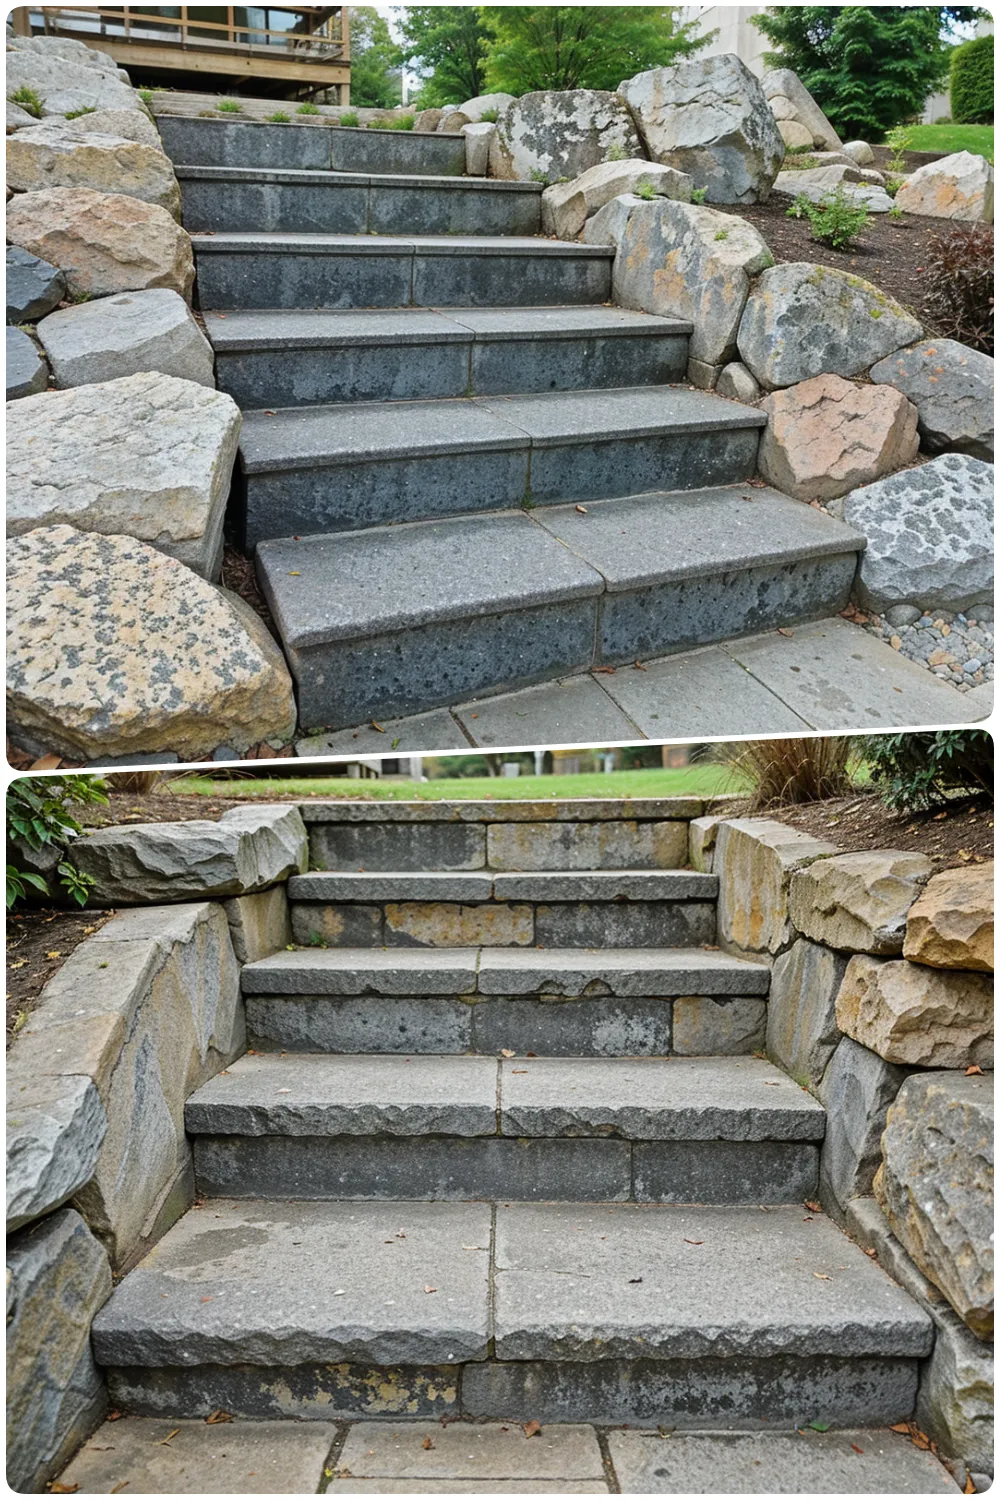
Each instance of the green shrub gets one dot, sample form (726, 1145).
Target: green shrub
(893, 185)
(74, 114)
(279, 117)
(26, 98)
(348, 118)
(229, 107)
(835, 221)
(958, 277)
(972, 82)
(405, 122)
(39, 816)
(307, 109)
(646, 190)
(914, 771)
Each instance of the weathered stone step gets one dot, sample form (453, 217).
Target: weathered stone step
(297, 358)
(654, 1130)
(605, 1313)
(328, 270)
(316, 146)
(256, 199)
(641, 908)
(322, 469)
(394, 620)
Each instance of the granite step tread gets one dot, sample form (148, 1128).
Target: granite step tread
(486, 885)
(332, 177)
(258, 1283)
(303, 242)
(460, 971)
(653, 1099)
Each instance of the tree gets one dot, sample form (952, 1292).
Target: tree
(449, 43)
(581, 46)
(376, 60)
(869, 67)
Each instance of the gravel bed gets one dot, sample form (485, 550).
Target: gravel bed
(956, 647)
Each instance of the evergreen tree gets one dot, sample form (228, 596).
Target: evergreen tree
(869, 67)
(581, 46)
(376, 81)
(449, 43)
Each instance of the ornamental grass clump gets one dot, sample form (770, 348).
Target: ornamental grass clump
(783, 772)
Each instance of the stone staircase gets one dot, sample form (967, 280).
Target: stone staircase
(503, 1148)
(461, 470)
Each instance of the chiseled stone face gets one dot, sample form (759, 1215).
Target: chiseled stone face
(574, 846)
(956, 187)
(922, 1017)
(126, 335)
(802, 1031)
(115, 649)
(439, 924)
(856, 1090)
(755, 859)
(858, 902)
(724, 1027)
(950, 925)
(555, 133)
(50, 155)
(259, 924)
(936, 1187)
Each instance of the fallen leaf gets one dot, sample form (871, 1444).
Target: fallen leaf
(694, 1242)
(208, 1299)
(640, 667)
(215, 1417)
(532, 1429)
(819, 1426)
(430, 1288)
(114, 1416)
(900, 1427)
(608, 671)
(817, 1208)
(46, 763)
(118, 1487)
(782, 631)
(63, 1489)
(974, 1072)
(582, 509)
(162, 1442)
(427, 1443)
(506, 1052)
(822, 1276)
(970, 1488)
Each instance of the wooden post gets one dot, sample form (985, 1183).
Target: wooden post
(20, 19)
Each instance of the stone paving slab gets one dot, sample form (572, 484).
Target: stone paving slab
(506, 810)
(361, 971)
(568, 711)
(627, 971)
(150, 1456)
(663, 1282)
(351, 885)
(419, 734)
(301, 242)
(698, 693)
(640, 411)
(463, 1450)
(289, 1283)
(861, 1461)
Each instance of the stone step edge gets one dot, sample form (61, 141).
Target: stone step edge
(333, 178)
(344, 887)
(237, 242)
(518, 810)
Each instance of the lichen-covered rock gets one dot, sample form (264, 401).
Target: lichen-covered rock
(49, 156)
(955, 1402)
(57, 1279)
(802, 1030)
(148, 455)
(566, 206)
(930, 535)
(857, 1089)
(130, 334)
(827, 435)
(736, 382)
(951, 386)
(950, 925)
(858, 902)
(803, 320)
(552, 134)
(55, 1127)
(34, 287)
(709, 117)
(103, 242)
(66, 83)
(755, 859)
(796, 103)
(27, 372)
(608, 225)
(116, 649)
(917, 1016)
(485, 104)
(955, 187)
(687, 261)
(936, 1187)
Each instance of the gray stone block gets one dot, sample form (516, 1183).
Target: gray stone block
(407, 847)
(336, 926)
(504, 810)
(27, 372)
(627, 924)
(457, 205)
(300, 376)
(802, 1030)
(260, 1315)
(241, 143)
(856, 1090)
(636, 971)
(417, 152)
(725, 1027)
(951, 385)
(55, 1126)
(724, 1172)
(364, 971)
(34, 287)
(366, 885)
(555, 1027)
(524, 280)
(259, 924)
(626, 845)
(126, 335)
(324, 1023)
(661, 886)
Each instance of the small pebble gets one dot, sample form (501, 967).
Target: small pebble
(954, 647)
(972, 665)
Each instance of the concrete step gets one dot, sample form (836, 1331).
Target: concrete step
(329, 270)
(653, 1130)
(313, 146)
(396, 620)
(571, 909)
(322, 469)
(295, 358)
(605, 1313)
(250, 200)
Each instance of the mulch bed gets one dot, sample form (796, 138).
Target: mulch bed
(959, 834)
(39, 941)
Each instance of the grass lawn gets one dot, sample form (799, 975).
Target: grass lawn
(950, 138)
(691, 781)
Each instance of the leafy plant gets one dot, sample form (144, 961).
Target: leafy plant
(971, 82)
(895, 213)
(893, 183)
(836, 220)
(646, 190)
(308, 108)
(721, 234)
(698, 195)
(537, 175)
(581, 46)
(279, 117)
(616, 152)
(26, 98)
(914, 771)
(899, 140)
(348, 118)
(39, 816)
(786, 771)
(489, 116)
(958, 275)
(229, 107)
(146, 95)
(74, 114)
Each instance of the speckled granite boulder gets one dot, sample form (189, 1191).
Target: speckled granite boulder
(791, 100)
(566, 206)
(66, 82)
(952, 388)
(553, 133)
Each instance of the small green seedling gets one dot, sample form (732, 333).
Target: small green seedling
(646, 190)
(348, 118)
(307, 109)
(229, 107)
(489, 116)
(74, 114)
(721, 234)
(616, 152)
(698, 195)
(279, 117)
(25, 98)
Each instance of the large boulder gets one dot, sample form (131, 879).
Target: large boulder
(687, 261)
(827, 435)
(566, 206)
(127, 335)
(709, 117)
(794, 135)
(951, 386)
(55, 1127)
(148, 455)
(936, 1187)
(755, 859)
(820, 184)
(950, 925)
(803, 320)
(128, 124)
(103, 242)
(27, 372)
(485, 104)
(453, 123)
(65, 84)
(138, 864)
(858, 902)
(115, 649)
(552, 134)
(955, 1402)
(49, 156)
(955, 187)
(917, 1016)
(930, 535)
(857, 1089)
(34, 287)
(791, 100)
(802, 1030)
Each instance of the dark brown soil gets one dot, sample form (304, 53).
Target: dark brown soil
(957, 835)
(39, 942)
(240, 576)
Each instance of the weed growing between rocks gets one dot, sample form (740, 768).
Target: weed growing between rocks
(279, 117)
(349, 119)
(230, 107)
(307, 109)
(27, 99)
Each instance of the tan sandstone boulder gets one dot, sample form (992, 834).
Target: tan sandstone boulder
(916, 1016)
(858, 902)
(826, 436)
(951, 925)
(51, 155)
(956, 187)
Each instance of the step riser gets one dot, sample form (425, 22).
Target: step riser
(457, 1169)
(355, 496)
(211, 204)
(260, 378)
(346, 682)
(724, 1392)
(265, 279)
(416, 847)
(602, 1026)
(571, 924)
(320, 148)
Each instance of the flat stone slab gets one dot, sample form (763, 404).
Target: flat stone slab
(300, 243)
(286, 1284)
(506, 810)
(27, 372)
(605, 885)
(350, 885)
(561, 417)
(463, 1450)
(148, 1456)
(417, 734)
(859, 1461)
(658, 1282)
(360, 971)
(562, 712)
(704, 693)
(633, 971)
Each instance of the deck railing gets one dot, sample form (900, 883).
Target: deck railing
(182, 26)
